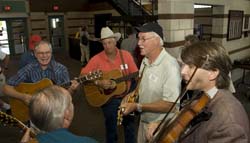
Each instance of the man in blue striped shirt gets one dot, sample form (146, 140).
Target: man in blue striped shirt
(44, 67)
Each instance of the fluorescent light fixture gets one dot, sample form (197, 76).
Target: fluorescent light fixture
(202, 6)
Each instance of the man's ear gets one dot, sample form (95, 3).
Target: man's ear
(35, 54)
(67, 119)
(213, 74)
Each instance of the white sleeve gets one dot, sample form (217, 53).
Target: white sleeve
(2, 55)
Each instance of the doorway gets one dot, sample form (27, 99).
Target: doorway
(4, 42)
(203, 21)
(56, 32)
(13, 35)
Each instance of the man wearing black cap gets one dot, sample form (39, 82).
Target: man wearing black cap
(160, 81)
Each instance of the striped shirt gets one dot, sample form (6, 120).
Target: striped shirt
(33, 72)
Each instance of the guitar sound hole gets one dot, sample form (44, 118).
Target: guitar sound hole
(109, 91)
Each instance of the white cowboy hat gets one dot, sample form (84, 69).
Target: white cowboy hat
(106, 32)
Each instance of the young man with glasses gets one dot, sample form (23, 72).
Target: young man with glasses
(160, 81)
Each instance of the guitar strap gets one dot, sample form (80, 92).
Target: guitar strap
(139, 82)
(124, 67)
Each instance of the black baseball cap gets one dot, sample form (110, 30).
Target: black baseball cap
(151, 27)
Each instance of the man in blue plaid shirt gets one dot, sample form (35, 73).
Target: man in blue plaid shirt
(44, 67)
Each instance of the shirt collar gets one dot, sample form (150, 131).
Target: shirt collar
(50, 65)
(106, 57)
(212, 92)
(158, 59)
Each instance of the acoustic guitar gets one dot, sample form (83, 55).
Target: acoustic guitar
(97, 96)
(8, 120)
(20, 110)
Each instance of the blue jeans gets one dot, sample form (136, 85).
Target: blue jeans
(110, 113)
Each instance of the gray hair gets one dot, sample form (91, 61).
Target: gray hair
(47, 108)
(112, 38)
(161, 40)
(191, 38)
(43, 42)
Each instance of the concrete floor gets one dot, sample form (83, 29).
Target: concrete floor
(88, 120)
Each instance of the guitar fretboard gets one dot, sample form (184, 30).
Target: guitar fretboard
(89, 77)
(126, 77)
(8, 120)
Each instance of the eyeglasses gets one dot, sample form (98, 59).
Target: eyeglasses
(143, 39)
(44, 53)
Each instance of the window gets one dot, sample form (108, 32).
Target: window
(235, 22)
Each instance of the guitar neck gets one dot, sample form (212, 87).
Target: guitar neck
(126, 77)
(86, 78)
(8, 120)
(79, 80)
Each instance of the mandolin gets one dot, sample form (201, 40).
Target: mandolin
(131, 98)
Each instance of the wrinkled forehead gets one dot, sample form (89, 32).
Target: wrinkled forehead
(143, 34)
(108, 40)
(43, 47)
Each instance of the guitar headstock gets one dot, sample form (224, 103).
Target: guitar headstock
(120, 116)
(91, 76)
(6, 119)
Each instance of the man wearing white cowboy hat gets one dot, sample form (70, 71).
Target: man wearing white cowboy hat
(111, 58)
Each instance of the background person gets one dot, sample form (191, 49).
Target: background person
(84, 44)
(190, 39)
(28, 56)
(3, 69)
(130, 44)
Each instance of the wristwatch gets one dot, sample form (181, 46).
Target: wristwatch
(139, 107)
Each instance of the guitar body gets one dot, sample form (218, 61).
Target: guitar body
(97, 96)
(18, 108)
